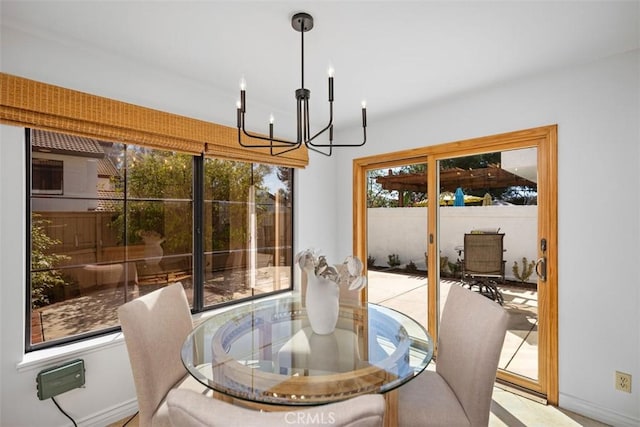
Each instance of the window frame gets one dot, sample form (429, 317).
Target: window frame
(197, 251)
(49, 191)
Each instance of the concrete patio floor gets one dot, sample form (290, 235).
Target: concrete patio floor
(407, 293)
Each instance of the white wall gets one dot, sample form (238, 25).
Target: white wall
(595, 106)
(403, 231)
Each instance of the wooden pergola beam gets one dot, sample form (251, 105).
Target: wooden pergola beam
(450, 179)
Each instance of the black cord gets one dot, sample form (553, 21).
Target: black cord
(65, 414)
(132, 417)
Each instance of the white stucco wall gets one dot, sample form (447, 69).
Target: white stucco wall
(596, 109)
(80, 179)
(403, 231)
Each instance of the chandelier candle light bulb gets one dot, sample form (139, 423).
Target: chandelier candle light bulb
(330, 72)
(364, 114)
(271, 126)
(243, 88)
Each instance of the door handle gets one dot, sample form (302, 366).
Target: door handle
(541, 268)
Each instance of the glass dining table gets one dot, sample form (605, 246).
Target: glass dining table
(264, 354)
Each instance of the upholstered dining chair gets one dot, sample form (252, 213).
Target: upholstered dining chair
(458, 392)
(155, 327)
(190, 409)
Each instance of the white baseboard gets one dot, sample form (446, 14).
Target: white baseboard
(110, 415)
(598, 413)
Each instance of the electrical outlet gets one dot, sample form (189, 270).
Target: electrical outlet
(623, 381)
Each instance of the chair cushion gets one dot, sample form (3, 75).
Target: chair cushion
(427, 400)
(189, 409)
(160, 418)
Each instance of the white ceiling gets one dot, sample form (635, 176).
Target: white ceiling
(394, 54)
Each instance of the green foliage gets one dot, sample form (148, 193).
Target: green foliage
(371, 261)
(454, 268)
(43, 277)
(159, 187)
(394, 260)
(472, 162)
(444, 263)
(411, 266)
(527, 270)
(377, 197)
(154, 174)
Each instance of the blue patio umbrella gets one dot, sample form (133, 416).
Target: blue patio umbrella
(459, 197)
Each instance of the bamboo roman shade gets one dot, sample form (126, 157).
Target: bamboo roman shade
(32, 104)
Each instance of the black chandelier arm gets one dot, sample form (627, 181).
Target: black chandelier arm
(310, 147)
(290, 146)
(281, 142)
(307, 141)
(284, 143)
(309, 144)
(330, 145)
(279, 153)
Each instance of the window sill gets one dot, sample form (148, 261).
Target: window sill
(41, 358)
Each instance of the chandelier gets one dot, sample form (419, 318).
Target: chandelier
(301, 22)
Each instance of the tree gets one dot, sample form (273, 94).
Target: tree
(152, 177)
(378, 197)
(44, 277)
(159, 186)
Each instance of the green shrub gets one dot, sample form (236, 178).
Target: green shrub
(527, 270)
(43, 278)
(394, 260)
(411, 266)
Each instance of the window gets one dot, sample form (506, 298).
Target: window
(248, 230)
(46, 176)
(125, 226)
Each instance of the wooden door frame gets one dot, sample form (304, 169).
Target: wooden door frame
(545, 140)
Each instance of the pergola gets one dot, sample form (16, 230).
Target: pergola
(487, 178)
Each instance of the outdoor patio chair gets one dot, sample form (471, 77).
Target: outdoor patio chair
(483, 262)
(458, 393)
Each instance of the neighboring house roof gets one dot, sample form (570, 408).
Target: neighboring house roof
(106, 168)
(59, 143)
(108, 201)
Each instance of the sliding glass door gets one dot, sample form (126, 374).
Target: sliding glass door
(396, 238)
(418, 213)
(487, 234)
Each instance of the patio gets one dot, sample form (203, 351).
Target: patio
(407, 292)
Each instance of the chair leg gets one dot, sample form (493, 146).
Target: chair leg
(493, 292)
(487, 288)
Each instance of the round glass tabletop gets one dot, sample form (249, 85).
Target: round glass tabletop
(266, 352)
